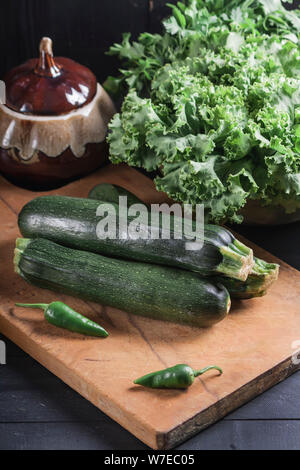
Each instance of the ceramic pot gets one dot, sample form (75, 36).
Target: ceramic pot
(54, 124)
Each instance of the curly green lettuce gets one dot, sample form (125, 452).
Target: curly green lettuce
(221, 117)
(194, 25)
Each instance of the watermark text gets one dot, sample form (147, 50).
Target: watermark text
(2, 352)
(2, 92)
(158, 221)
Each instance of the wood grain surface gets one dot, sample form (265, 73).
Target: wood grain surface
(253, 345)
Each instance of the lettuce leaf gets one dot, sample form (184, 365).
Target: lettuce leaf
(214, 106)
(198, 24)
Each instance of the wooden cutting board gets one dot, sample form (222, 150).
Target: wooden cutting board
(253, 345)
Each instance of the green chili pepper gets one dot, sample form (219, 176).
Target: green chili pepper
(63, 316)
(179, 376)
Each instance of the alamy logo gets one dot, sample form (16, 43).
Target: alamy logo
(2, 352)
(159, 221)
(2, 92)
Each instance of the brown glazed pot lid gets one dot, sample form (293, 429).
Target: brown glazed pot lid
(48, 86)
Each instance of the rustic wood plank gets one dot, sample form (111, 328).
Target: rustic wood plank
(12, 350)
(117, 174)
(280, 402)
(32, 394)
(82, 30)
(253, 344)
(248, 435)
(225, 435)
(67, 436)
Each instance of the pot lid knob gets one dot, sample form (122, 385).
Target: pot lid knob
(48, 85)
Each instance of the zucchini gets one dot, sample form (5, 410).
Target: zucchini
(111, 193)
(73, 222)
(105, 192)
(261, 277)
(153, 291)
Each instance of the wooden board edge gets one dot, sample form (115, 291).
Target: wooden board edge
(60, 370)
(148, 435)
(189, 428)
(218, 410)
(182, 432)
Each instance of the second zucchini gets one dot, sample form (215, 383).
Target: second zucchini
(144, 289)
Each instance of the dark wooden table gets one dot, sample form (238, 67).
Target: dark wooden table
(38, 411)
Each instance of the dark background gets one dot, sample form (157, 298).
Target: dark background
(37, 410)
(80, 29)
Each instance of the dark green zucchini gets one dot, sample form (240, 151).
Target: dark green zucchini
(144, 289)
(261, 277)
(214, 233)
(73, 222)
(111, 193)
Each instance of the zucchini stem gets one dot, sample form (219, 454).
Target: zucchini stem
(236, 264)
(21, 244)
(241, 247)
(17, 257)
(260, 278)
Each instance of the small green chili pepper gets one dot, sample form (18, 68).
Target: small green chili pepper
(63, 316)
(179, 376)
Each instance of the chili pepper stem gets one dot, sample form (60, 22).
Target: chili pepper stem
(42, 306)
(202, 371)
